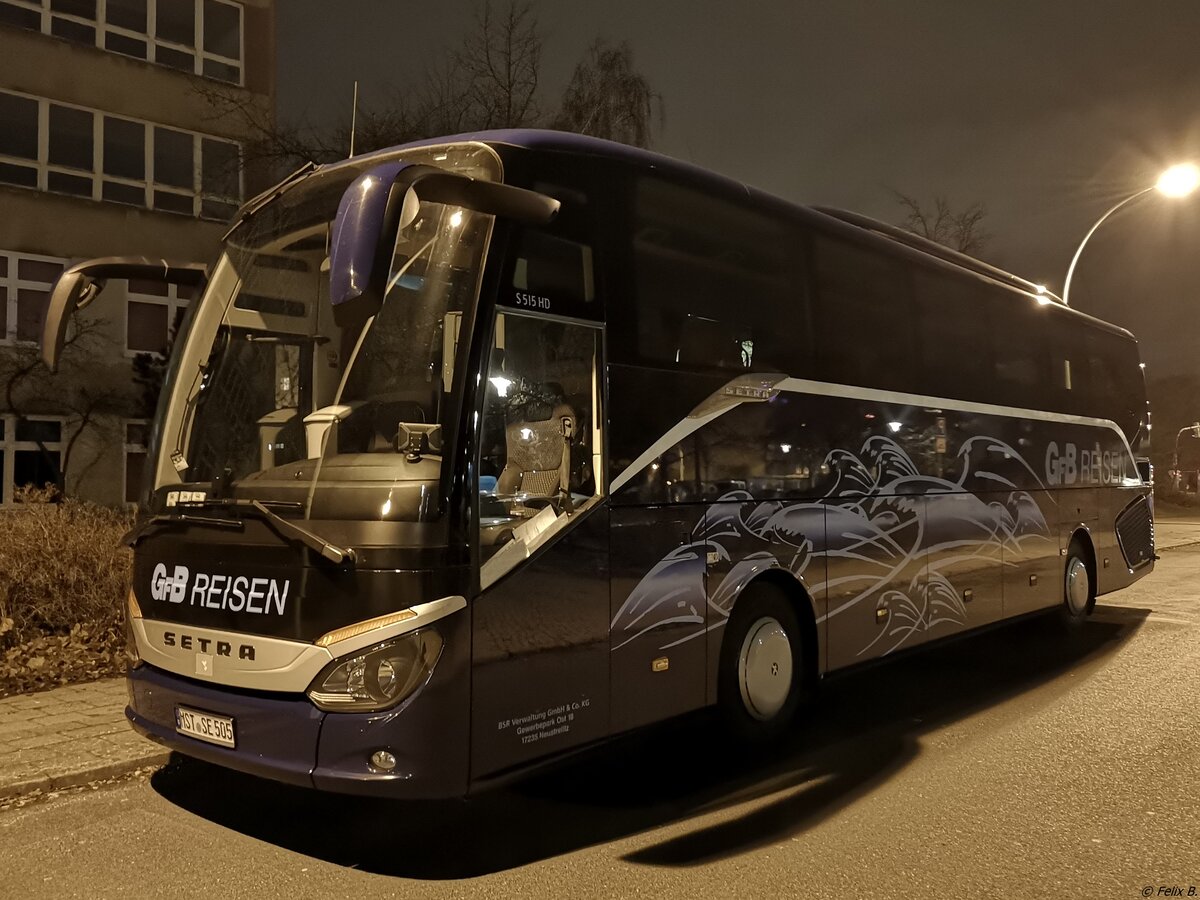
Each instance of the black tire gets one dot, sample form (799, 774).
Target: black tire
(1079, 586)
(763, 641)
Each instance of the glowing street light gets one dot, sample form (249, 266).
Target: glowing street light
(1177, 181)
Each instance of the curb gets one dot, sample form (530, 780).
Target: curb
(81, 777)
(1178, 546)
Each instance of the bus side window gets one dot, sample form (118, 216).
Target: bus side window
(1019, 350)
(552, 274)
(1113, 369)
(955, 354)
(865, 331)
(1070, 387)
(716, 285)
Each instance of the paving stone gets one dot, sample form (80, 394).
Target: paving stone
(69, 736)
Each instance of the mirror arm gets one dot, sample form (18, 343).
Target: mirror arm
(384, 200)
(80, 284)
(490, 197)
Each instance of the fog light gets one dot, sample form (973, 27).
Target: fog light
(382, 759)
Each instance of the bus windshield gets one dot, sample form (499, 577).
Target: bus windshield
(272, 400)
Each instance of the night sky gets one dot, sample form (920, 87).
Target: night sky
(1046, 111)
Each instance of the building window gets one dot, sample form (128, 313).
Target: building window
(25, 283)
(87, 153)
(201, 37)
(153, 315)
(137, 432)
(30, 453)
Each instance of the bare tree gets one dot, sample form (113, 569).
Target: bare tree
(960, 230)
(501, 63)
(491, 80)
(85, 392)
(271, 146)
(608, 98)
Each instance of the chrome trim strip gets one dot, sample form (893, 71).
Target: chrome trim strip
(426, 613)
(804, 386)
(281, 665)
(703, 414)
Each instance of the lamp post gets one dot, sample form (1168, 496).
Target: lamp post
(1177, 181)
(1195, 430)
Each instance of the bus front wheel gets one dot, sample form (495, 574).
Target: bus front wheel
(761, 668)
(1079, 591)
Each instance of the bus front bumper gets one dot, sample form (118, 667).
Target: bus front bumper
(284, 737)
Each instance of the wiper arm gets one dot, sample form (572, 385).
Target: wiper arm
(331, 552)
(132, 537)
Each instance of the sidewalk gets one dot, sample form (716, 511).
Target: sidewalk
(77, 735)
(69, 736)
(1175, 526)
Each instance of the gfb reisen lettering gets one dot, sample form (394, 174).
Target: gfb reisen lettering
(236, 593)
(1083, 465)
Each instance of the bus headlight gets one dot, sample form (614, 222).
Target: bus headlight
(378, 678)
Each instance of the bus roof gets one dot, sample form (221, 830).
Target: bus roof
(879, 234)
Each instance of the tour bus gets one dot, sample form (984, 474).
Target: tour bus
(487, 448)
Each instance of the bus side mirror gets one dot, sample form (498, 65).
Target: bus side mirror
(387, 198)
(79, 285)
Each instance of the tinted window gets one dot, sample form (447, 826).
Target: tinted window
(220, 168)
(176, 22)
(716, 285)
(222, 29)
(1067, 388)
(1118, 389)
(1020, 350)
(18, 126)
(865, 332)
(127, 14)
(955, 348)
(173, 159)
(551, 274)
(71, 137)
(124, 148)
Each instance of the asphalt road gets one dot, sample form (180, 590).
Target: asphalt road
(1014, 764)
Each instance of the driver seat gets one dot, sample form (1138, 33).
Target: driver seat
(539, 450)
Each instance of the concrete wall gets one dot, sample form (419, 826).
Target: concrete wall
(73, 228)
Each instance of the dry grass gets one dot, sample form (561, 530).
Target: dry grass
(64, 577)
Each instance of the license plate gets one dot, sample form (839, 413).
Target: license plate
(204, 726)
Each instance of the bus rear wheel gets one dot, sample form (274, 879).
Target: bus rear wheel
(761, 673)
(1079, 591)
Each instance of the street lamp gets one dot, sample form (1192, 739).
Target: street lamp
(1177, 181)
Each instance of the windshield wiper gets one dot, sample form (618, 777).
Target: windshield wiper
(135, 534)
(254, 204)
(285, 528)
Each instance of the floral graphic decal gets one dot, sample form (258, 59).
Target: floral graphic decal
(872, 517)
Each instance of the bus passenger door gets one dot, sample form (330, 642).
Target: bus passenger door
(539, 679)
(540, 675)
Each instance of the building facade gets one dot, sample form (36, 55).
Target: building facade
(116, 139)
